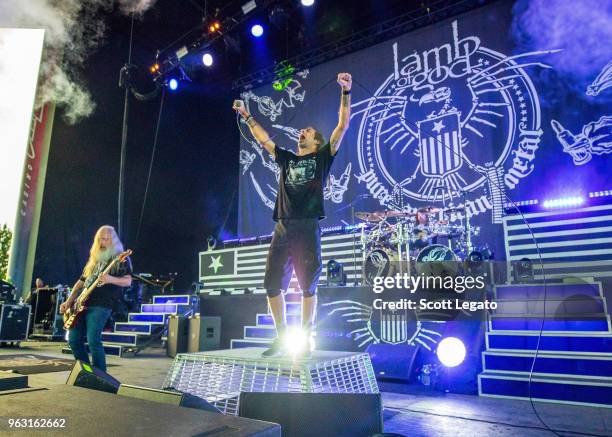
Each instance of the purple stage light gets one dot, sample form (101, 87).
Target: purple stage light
(451, 351)
(563, 202)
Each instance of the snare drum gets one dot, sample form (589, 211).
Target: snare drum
(379, 262)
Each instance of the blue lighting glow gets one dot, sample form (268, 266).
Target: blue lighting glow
(563, 202)
(257, 30)
(173, 84)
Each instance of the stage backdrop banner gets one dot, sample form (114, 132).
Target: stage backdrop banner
(457, 113)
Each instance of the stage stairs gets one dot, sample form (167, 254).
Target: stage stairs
(263, 332)
(148, 326)
(574, 361)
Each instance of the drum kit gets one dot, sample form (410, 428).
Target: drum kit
(405, 242)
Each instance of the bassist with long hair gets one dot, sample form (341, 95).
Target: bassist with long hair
(107, 271)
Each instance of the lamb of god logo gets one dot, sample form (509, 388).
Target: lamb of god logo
(458, 117)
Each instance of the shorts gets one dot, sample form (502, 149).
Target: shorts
(296, 244)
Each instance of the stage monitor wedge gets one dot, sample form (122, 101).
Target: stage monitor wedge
(87, 376)
(168, 396)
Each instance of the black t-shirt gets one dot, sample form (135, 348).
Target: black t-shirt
(106, 295)
(300, 188)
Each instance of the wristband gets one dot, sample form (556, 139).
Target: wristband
(346, 92)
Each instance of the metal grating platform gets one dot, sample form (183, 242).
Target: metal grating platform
(220, 376)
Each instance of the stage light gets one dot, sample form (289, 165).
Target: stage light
(451, 351)
(298, 340)
(335, 273)
(207, 59)
(522, 270)
(603, 193)
(307, 2)
(173, 84)
(257, 30)
(215, 26)
(248, 7)
(182, 52)
(154, 68)
(563, 202)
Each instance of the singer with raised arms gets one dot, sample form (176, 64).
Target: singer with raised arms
(296, 241)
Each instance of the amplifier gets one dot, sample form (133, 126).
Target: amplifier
(177, 335)
(204, 333)
(14, 322)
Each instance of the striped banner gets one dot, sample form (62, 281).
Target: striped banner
(571, 242)
(248, 263)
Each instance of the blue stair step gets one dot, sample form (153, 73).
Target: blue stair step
(155, 318)
(258, 332)
(267, 320)
(556, 306)
(237, 344)
(124, 339)
(584, 391)
(535, 324)
(136, 328)
(550, 343)
(550, 364)
(159, 308)
(179, 299)
(538, 291)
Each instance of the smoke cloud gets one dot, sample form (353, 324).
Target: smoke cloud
(73, 30)
(582, 29)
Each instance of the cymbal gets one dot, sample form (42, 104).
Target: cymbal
(399, 214)
(455, 210)
(370, 216)
(377, 216)
(429, 210)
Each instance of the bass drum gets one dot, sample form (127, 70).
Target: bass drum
(379, 262)
(437, 260)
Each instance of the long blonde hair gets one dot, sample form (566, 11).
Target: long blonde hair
(96, 255)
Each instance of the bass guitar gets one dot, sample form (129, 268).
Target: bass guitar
(78, 308)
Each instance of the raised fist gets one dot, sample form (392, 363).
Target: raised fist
(345, 81)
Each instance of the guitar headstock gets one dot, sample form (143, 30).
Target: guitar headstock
(123, 255)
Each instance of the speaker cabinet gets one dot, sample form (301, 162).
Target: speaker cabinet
(204, 333)
(14, 322)
(177, 335)
(87, 376)
(316, 414)
(169, 396)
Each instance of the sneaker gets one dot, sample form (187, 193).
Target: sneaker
(275, 350)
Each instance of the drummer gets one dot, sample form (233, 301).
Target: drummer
(423, 235)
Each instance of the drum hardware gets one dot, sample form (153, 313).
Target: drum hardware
(400, 237)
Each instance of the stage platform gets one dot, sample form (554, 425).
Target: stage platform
(79, 411)
(409, 409)
(220, 376)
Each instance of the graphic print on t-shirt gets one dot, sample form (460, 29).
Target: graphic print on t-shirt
(301, 172)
